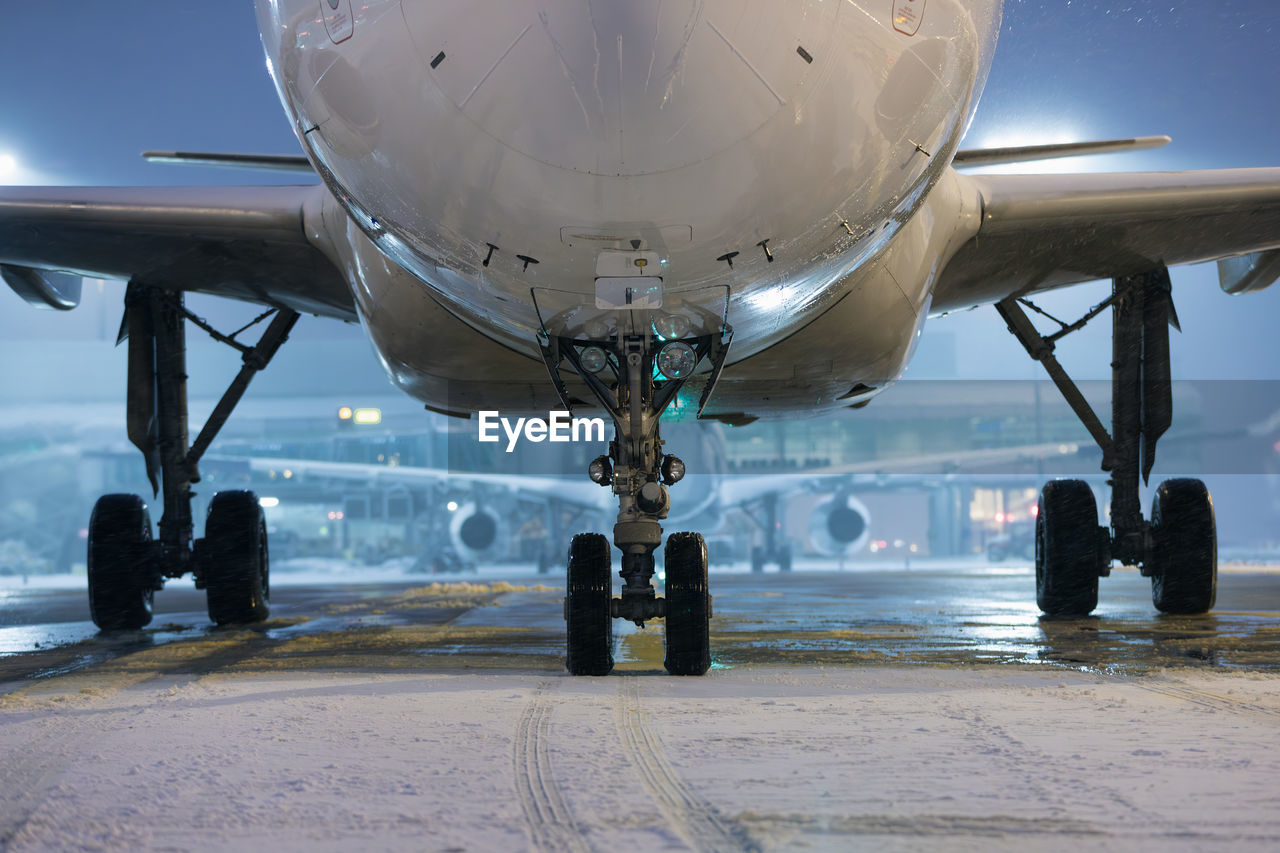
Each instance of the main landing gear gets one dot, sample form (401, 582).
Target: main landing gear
(125, 564)
(775, 549)
(634, 365)
(1178, 547)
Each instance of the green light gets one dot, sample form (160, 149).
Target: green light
(683, 407)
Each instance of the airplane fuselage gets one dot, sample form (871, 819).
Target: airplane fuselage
(796, 154)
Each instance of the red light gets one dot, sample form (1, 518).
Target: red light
(1277, 447)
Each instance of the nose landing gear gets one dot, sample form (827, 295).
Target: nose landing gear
(636, 373)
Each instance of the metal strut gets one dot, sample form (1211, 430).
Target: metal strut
(1141, 394)
(157, 407)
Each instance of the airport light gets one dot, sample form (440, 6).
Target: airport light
(452, 506)
(267, 503)
(367, 417)
(345, 413)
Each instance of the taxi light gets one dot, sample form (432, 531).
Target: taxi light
(672, 469)
(367, 417)
(601, 470)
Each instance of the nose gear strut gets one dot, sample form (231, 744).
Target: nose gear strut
(631, 384)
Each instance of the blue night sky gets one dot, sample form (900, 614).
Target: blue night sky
(90, 85)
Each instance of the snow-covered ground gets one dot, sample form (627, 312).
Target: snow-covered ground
(439, 717)
(755, 758)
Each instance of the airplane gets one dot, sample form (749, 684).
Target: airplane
(479, 501)
(738, 210)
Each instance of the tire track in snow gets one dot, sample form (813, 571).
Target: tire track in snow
(691, 817)
(547, 816)
(1212, 701)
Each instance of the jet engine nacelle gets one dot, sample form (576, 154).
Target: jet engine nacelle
(478, 534)
(840, 525)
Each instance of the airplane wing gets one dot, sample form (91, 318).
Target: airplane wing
(1039, 232)
(743, 489)
(574, 491)
(247, 243)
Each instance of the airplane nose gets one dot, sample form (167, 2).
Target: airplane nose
(617, 87)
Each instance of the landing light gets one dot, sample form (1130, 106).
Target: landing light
(670, 326)
(593, 359)
(367, 417)
(452, 506)
(268, 502)
(677, 360)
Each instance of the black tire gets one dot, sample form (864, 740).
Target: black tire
(1067, 560)
(757, 558)
(588, 593)
(1184, 576)
(688, 605)
(235, 560)
(784, 558)
(122, 577)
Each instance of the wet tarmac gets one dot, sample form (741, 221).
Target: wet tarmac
(941, 615)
